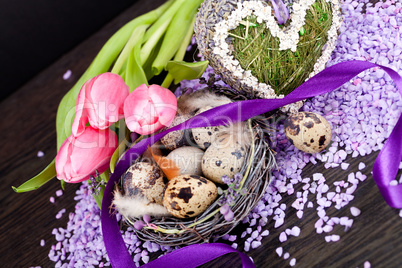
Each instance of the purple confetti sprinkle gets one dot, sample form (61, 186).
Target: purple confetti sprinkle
(355, 211)
(67, 74)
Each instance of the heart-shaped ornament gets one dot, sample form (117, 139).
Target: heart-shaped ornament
(259, 58)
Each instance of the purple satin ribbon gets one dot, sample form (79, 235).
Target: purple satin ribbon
(384, 171)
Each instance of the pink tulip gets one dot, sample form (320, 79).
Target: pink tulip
(148, 109)
(79, 157)
(100, 102)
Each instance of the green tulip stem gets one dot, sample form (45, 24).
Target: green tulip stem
(175, 34)
(158, 29)
(167, 81)
(134, 39)
(181, 52)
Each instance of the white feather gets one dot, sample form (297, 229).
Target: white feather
(134, 206)
(190, 103)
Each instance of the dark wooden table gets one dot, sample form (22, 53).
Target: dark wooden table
(28, 126)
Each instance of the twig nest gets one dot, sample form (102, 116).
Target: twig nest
(144, 179)
(187, 196)
(225, 156)
(240, 151)
(187, 159)
(259, 58)
(309, 132)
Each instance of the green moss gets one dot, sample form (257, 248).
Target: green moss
(283, 70)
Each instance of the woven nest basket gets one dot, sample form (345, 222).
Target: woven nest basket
(285, 69)
(211, 224)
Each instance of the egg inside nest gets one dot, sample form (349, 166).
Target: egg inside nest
(189, 195)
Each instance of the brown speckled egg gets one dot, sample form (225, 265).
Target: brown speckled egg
(225, 156)
(204, 136)
(309, 132)
(187, 196)
(188, 159)
(177, 138)
(144, 179)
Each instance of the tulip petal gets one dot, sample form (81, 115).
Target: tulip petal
(148, 109)
(79, 157)
(165, 103)
(106, 96)
(81, 118)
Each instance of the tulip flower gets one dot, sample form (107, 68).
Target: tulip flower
(100, 102)
(148, 109)
(81, 156)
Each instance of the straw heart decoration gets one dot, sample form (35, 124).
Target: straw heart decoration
(245, 74)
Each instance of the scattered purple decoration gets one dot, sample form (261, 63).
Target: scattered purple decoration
(355, 211)
(367, 264)
(138, 225)
(42, 243)
(361, 113)
(67, 74)
(361, 165)
(60, 213)
(146, 218)
(40, 154)
(229, 215)
(292, 262)
(279, 251)
(59, 193)
(51, 199)
(224, 209)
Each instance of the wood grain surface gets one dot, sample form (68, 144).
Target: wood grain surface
(28, 126)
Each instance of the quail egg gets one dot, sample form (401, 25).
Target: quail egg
(225, 156)
(309, 132)
(204, 136)
(177, 138)
(188, 159)
(187, 196)
(144, 179)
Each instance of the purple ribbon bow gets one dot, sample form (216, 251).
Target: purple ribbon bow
(384, 171)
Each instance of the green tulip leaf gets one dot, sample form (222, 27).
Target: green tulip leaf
(175, 34)
(46, 175)
(181, 70)
(117, 153)
(99, 196)
(135, 74)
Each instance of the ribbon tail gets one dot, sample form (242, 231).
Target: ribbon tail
(386, 167)
(196, 255)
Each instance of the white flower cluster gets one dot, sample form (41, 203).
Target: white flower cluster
(288, 39)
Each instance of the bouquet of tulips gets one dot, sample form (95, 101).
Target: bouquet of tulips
(113, 100)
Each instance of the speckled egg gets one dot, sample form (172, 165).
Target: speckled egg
(144, 179)
(177, 138)
(187, 196)
(204, 136)
(225, 156)
(188, 159)
(309, 132)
